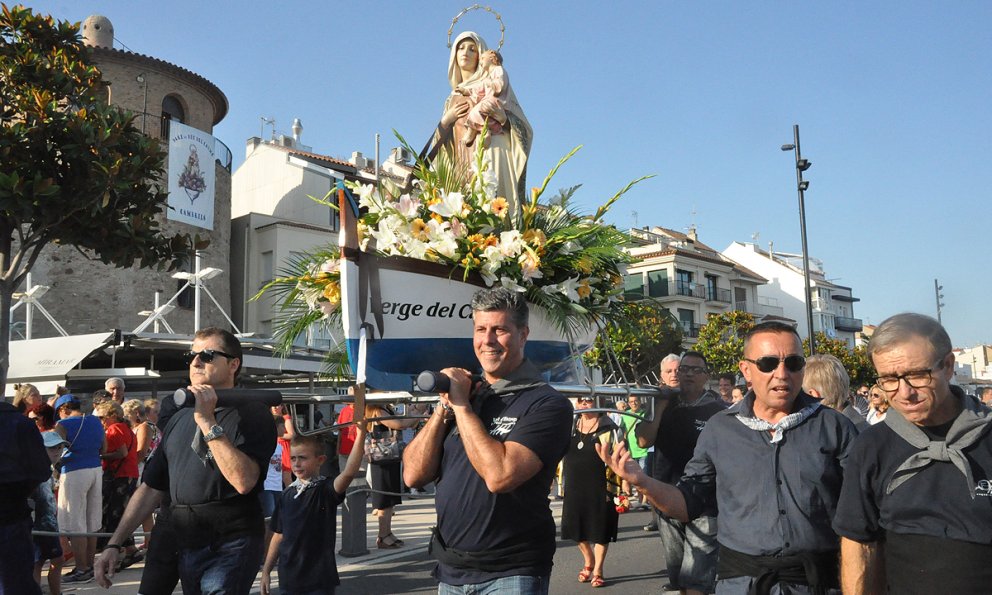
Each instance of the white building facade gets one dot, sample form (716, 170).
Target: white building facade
(692, 280)
(833, 305)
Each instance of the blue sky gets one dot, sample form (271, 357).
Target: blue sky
(892, 99)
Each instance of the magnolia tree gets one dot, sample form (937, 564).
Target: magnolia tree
(721, 340)
(637, 342)
(74, 170)
(856, 361)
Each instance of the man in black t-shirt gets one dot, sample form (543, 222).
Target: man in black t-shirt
(493, 449)
(690, 549)
(915, 511)
(212, 462)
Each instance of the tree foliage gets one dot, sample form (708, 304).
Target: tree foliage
(74, 170)
(721, 340)
(856, 361)
(646, 334)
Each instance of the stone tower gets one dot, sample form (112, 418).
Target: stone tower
(87, 296)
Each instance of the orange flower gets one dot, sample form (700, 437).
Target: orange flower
(536, 238)
(491, 240)
(332, 291)
(583, 289)
(499, 207)
(437, 217)
(418, 229)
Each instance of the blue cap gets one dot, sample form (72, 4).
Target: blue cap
(64, 399)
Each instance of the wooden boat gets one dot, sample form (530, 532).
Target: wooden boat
(417, 316)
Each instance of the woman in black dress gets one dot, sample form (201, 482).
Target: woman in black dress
(589, 515)
(385, 477)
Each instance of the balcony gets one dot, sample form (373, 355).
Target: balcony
(843, 323)
(687, 289)
(718, 295)
(741, 306)
(690, 330)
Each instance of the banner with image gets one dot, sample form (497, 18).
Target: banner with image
(191, 176)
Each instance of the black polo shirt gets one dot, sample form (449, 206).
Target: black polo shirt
(307, 520)
(473, 519)
(678, 432)
(936, 529)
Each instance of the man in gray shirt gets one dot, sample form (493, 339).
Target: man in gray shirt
(772, 465)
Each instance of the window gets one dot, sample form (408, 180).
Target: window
(711, 288)
(633, 286)
(266, 268)
(172, 109)
(688, 319)
(658, 283)
(683, 282)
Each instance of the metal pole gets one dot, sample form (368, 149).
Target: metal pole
(196, 294)
(936, 293)
(802, 227)
(155, 325)
(29, 309)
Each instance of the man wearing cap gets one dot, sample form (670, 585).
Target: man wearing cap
(212, 463)
(915, 513)
(772, 465)
(80, 501)
(23, 465)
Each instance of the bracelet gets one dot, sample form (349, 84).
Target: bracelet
(118, 547)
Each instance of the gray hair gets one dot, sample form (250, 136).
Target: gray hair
(671, 357)
(115, 381)
(826, 375)
(902, 328)
(500, 299)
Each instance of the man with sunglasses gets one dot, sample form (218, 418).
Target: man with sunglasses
(772, 465)
(690, 548)
(915, 513)
(212, 463)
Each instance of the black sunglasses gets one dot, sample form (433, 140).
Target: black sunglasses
(206, 356)
(768, 363)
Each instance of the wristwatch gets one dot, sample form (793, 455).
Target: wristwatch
(215, 432)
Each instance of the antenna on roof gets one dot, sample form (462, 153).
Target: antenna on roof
(270, 122)
(634, 215)
(754, 237)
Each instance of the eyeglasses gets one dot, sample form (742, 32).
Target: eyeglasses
(206, 356)
(914, 378)
(692, 370)
(769, 363)
(587, 401)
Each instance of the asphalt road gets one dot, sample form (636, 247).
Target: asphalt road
(633, 565)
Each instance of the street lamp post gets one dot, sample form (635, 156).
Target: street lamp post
(937, 288)
(801, 185)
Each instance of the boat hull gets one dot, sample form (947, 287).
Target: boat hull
(426, 323)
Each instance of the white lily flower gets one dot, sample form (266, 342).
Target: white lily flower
(445, 246)
(510, 284)
(569, 247)
(511, 243)
(458, 229)
(529, 266)
(408, 206)
(451, 205)
(569, 288)
(367, 198)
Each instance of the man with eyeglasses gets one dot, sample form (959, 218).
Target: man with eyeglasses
(690, 548)
(915, 513)
(212, 463)
(772, 466)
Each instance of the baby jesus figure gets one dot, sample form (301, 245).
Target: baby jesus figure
(486, 95)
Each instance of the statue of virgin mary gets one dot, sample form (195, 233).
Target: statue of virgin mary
(507, 151)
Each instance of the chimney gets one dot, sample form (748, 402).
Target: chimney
(253, 143)
(692, 233)
(297, 130)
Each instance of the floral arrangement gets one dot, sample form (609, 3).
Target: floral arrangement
(568, 264)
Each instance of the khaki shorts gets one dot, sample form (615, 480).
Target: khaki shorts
(81, 500)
